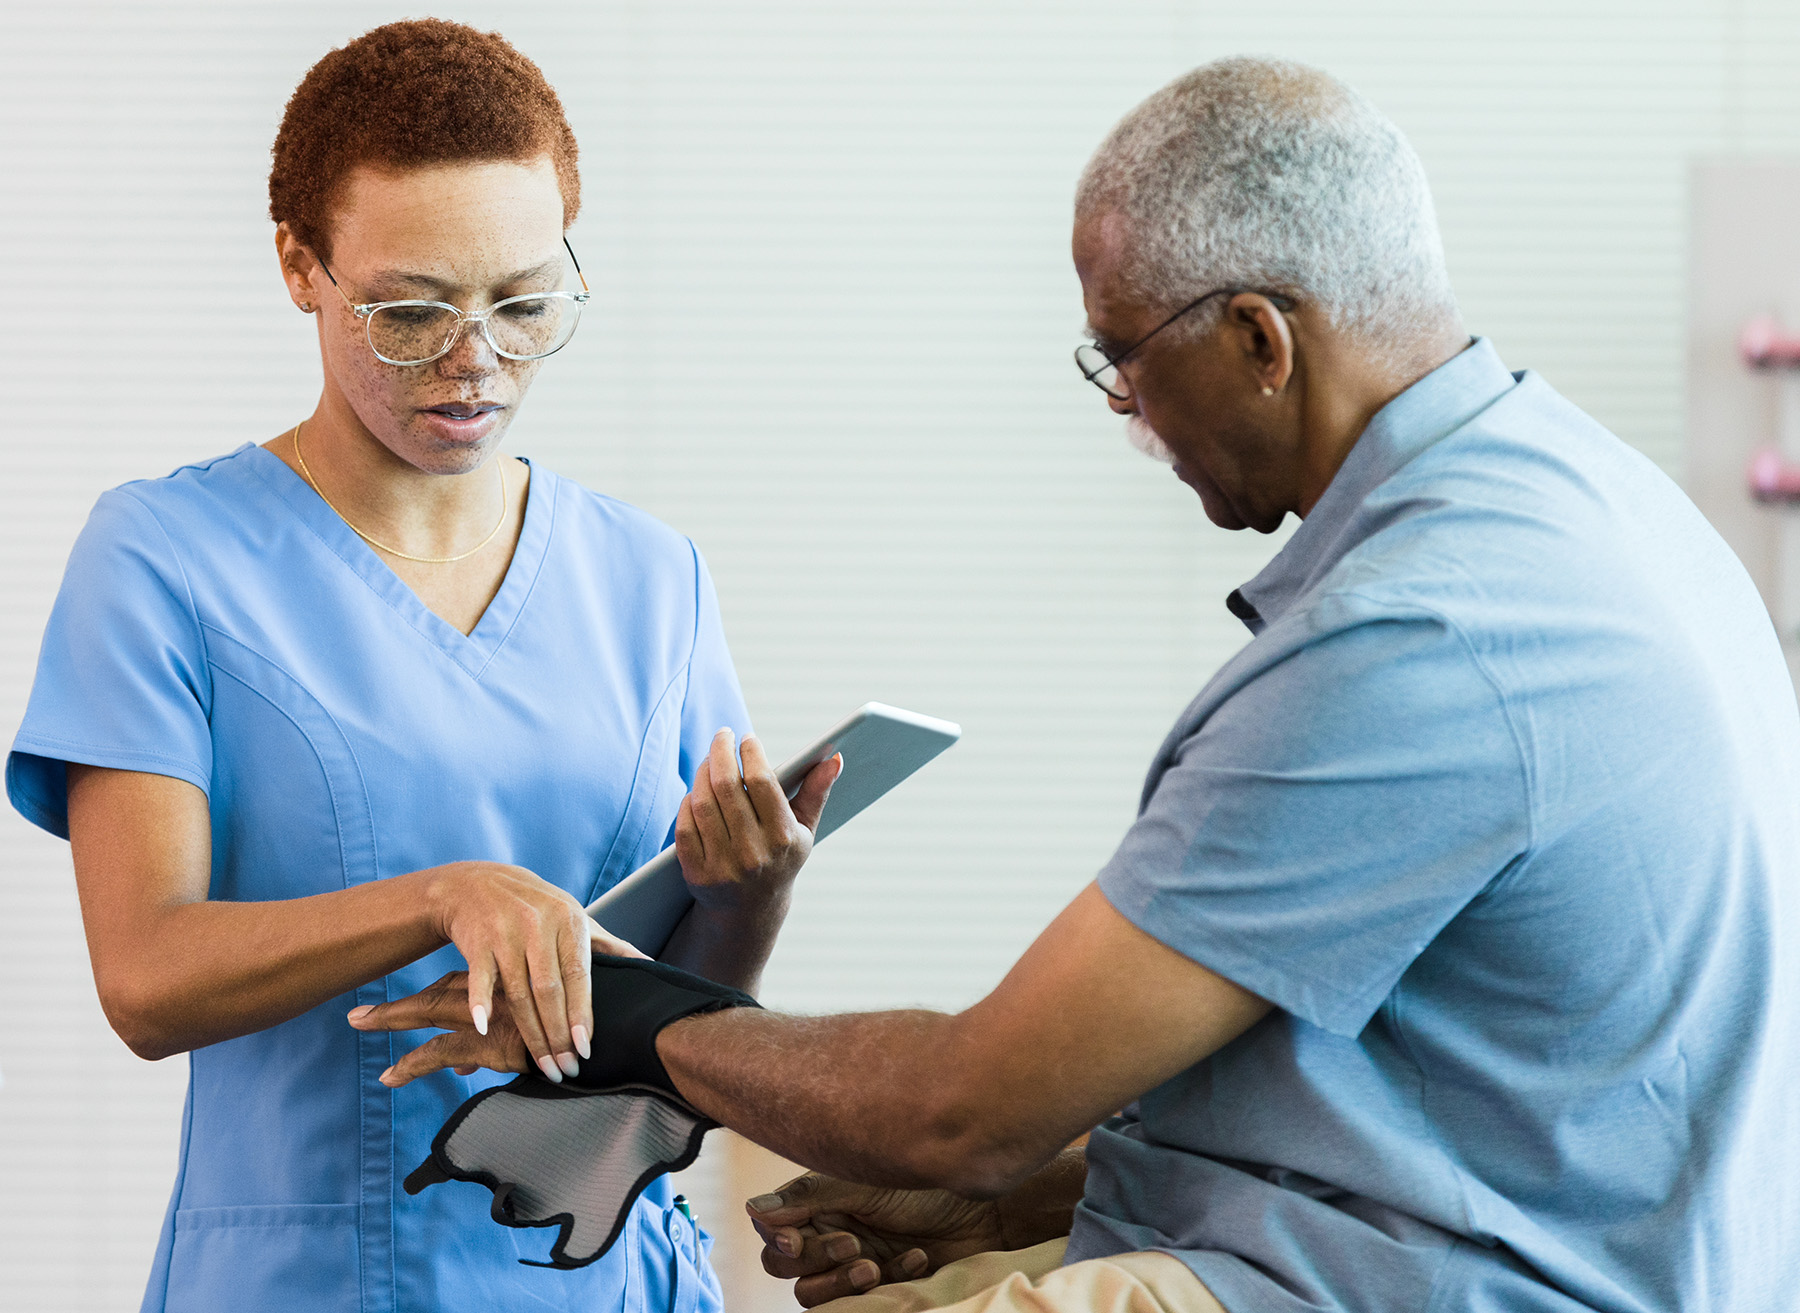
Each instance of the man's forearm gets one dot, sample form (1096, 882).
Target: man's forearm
(887, 1098)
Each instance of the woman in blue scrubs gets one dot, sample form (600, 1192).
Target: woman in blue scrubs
(328, 717)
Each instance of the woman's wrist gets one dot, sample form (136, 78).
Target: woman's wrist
(434, 897)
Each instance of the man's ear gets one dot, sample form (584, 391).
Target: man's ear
(1265, 338)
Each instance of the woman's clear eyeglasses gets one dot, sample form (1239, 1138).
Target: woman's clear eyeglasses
(1102, 370)
(527, 327)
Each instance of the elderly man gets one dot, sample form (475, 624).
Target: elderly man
(1451, 961)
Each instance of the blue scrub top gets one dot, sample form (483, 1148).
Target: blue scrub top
(223, 626)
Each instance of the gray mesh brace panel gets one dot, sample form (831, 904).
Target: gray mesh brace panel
(560, 1157)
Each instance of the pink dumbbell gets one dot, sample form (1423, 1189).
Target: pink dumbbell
(1773, 479)
(1764, 344)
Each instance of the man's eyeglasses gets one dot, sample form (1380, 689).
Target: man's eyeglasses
(1102, 370)
(527, 327)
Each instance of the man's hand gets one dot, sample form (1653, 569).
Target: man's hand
(739, 839)
(444, 1005)
(834, 1238)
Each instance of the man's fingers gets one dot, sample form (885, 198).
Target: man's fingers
(906, 1267)
(850, 1279)
(456, 1049)
(810, 1193)
(441, 1006)
(791, 1253)
(809, 803)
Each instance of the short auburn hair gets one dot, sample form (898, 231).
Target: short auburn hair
(407, 95)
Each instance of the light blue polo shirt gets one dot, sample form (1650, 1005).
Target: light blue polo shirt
(1498, 808)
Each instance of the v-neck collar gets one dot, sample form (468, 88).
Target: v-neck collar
(473, 650)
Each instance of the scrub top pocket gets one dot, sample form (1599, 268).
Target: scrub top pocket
(300, 1256)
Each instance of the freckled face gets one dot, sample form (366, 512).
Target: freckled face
(467, 234)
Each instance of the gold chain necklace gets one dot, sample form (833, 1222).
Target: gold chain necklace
(313, 483)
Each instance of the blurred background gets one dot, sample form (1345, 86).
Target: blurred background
(831, 341)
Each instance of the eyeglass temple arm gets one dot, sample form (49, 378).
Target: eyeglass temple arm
(571, 251)
(333, 277)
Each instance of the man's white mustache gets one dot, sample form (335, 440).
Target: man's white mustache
(1143, 437)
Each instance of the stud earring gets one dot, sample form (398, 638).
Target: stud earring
(306, 306)
(1268, 392)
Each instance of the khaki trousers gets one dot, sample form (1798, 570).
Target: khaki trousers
(1034, 1281)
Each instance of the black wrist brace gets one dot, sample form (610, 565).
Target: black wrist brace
(633, 1001)
(577, 1155)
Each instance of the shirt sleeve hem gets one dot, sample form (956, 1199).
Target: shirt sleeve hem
(52, 814)
(1310, 1000)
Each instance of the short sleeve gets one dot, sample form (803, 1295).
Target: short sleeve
(714, 700)
(1331, 815)
(121, 676)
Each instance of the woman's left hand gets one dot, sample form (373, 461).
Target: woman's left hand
(740, 841)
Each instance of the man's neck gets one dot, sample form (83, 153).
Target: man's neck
(1349, 382)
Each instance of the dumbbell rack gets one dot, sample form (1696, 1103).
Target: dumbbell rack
(1766, 347)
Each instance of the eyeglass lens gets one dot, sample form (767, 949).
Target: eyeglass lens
(1101, 372)
(521, 328)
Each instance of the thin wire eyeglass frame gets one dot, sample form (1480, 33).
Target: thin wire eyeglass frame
(365, 311)
(1281, 303)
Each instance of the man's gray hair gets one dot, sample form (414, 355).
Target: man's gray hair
(1273, 176)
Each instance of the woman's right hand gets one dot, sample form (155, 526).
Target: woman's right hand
(532, 940)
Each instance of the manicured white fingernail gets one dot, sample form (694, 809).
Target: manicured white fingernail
(480, 1014)
(547, 1065)
(580, 1036)
(570, 1067)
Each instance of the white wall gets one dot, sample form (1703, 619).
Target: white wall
(832, 342)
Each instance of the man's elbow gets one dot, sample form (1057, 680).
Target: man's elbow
(977, 1151)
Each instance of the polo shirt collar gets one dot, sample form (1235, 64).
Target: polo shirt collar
(1431, 409)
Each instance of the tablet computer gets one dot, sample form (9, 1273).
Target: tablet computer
(881, 746)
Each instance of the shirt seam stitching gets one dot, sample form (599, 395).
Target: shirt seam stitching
(1527, 776)
(530, 588)
(187, 589)
(687, 667)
